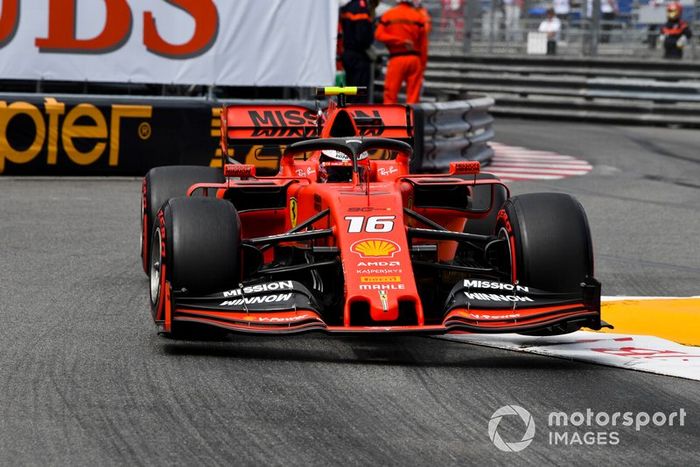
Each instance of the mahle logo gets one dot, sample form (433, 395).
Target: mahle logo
(527, 419)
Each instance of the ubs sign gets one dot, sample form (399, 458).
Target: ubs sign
(117, 29)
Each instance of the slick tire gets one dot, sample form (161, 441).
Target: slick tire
(196, 249)
(550, 241)
(161, 184)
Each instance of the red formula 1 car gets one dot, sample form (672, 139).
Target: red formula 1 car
(342, 238)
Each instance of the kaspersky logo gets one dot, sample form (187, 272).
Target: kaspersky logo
(375, 248)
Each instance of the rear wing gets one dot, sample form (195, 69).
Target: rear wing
(247, 121)
(386, 121)
(245, 128)
(258, 134)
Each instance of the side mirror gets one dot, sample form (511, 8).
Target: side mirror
(465, 168)
(239, 170)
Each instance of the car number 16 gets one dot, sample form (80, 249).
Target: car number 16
(373, 224)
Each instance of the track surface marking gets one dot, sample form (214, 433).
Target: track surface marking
(515, 163)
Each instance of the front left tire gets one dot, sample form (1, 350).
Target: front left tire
(196, 250)
(159, 185)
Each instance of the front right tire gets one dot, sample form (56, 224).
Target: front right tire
(550, 240)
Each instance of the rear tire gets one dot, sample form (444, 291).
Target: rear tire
(551, 240)
(196, 249)
(161, 184)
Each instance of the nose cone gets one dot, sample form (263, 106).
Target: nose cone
(379, 284)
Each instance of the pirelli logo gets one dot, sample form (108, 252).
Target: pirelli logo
(379, 279)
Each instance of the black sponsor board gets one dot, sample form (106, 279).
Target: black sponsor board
(96, 135)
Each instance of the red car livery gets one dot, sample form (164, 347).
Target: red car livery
(339, 236)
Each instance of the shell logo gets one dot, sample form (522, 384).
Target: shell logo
(375, 248)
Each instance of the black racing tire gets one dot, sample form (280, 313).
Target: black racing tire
(551, 240)
(481, 196)
(197, 245)
(162, 183)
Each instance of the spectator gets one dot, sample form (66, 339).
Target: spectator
(512, 10)
(358, 35)
(551, 25)
(608, 10)
(453, 16)
(675, 34)
(562, 9)
(403, 30)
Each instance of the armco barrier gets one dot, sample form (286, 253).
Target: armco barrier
(122, 135)
(657, 92)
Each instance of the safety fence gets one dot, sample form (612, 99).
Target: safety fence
(497, 27)
(60, 135)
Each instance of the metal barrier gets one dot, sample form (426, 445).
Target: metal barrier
(630, 91)
(450, 131)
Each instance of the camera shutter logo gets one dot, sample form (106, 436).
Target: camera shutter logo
(524, 416)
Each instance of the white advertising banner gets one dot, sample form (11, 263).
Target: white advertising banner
(208, 42)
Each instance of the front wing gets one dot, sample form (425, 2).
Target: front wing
(478, 306)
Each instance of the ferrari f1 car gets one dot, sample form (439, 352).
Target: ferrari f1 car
(341, 237)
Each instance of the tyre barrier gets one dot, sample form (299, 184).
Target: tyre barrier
(66, 135)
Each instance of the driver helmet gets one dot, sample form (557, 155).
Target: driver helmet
(336, 166)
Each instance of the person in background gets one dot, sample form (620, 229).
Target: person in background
(358, 35)
(675, 34)
(562, 8)
(453, 16)
(404, 32)
(551, 25)
(512, 10)
(608, 11)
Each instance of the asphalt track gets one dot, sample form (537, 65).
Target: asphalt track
(84, 379)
